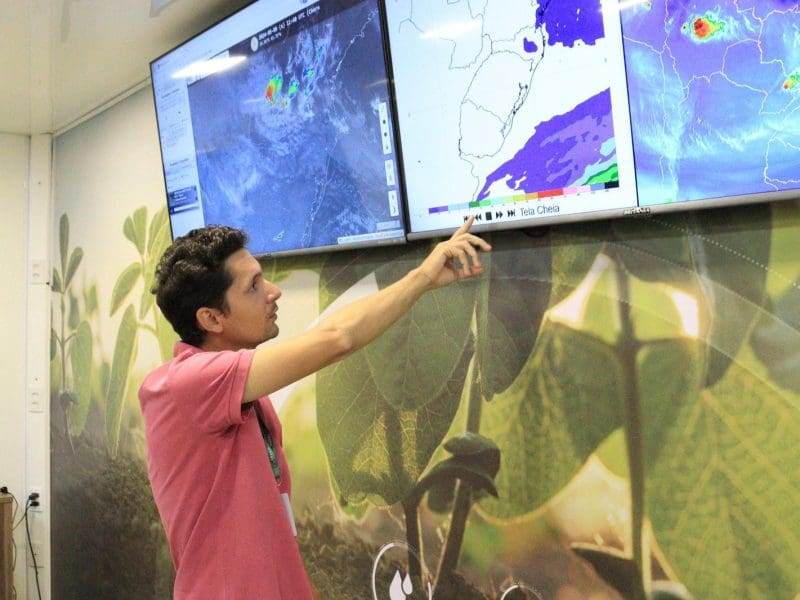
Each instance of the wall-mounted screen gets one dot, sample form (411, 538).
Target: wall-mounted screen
(278, 121)
(527, 113)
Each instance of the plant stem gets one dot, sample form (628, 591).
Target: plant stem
(63, 344)
(463, 492)
(413, 540)
(628, 348)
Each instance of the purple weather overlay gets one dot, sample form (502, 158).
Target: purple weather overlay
(560, 150)
(569, 21)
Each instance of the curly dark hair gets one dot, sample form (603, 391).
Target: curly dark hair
(192, 274)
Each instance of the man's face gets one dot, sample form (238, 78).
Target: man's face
(252, 314)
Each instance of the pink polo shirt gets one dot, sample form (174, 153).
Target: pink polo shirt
(227, 528)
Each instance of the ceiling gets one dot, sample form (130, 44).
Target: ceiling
(62, 59)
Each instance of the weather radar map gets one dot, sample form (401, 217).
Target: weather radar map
(714, 97)
(292, 143)
(510, 109)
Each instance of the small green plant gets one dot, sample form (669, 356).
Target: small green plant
(150, 242)
(73, 341)
(79, 376)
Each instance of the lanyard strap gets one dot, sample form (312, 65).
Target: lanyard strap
(273, 455)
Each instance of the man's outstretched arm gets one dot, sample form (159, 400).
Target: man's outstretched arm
(355, 325)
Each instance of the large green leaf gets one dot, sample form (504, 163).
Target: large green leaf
(375, 449)
(784, 260)
(566, 401)
(776, 339)
(90, 300)
(80, 355)
(725, 489)
(655, 249)
(277, 269)
(157, 241)
(166, 336)
(74, 262)
(730, 252)
(414, 361)
(125, 282)
(135, 228)
(513, 295)
(124, 356)
(669, 377)
(63, 241)
(724, 252)
(341, 270)
(574, 250)
(56, 283)
(157, 232)
(74, 313)
(53, 343)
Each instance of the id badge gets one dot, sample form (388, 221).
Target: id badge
(289, 514)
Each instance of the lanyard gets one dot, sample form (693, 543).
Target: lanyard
(273, 455)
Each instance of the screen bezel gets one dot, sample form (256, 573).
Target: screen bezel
(362, 244)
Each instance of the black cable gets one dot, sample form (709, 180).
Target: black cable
(30, 545)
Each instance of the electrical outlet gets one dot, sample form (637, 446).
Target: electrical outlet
(38, 552)
(39, 499)
(36, 398)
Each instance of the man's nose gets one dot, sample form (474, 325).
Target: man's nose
(273, 291)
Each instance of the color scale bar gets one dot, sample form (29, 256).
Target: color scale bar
(524, 197)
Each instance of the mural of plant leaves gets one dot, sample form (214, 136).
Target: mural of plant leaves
(74, 262)
(565, 402)
(342, 270)
(425, 347)
(616, 568)
(670, 376)
(56, 286)
(725, 252)
(726, 488)
(90, 301)
(574, 251)
(155, 233)
(63, 241)
(730, 256)
(376, 450)
(776, 339)
(278, 269)
(74, 314)
(475, 459)
(655, 249)
(80, 355)
(135, 228)
(125, 282)
(513, 295)
(53, 343)
(124, 356)
(158, 238)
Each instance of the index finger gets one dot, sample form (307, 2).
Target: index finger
(465, 227)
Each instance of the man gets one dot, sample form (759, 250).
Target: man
(215, 458)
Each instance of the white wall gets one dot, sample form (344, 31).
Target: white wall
(24, 322)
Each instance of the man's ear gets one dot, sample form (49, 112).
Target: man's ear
(208, 319)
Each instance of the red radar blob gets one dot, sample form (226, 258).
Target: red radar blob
(701, 27)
